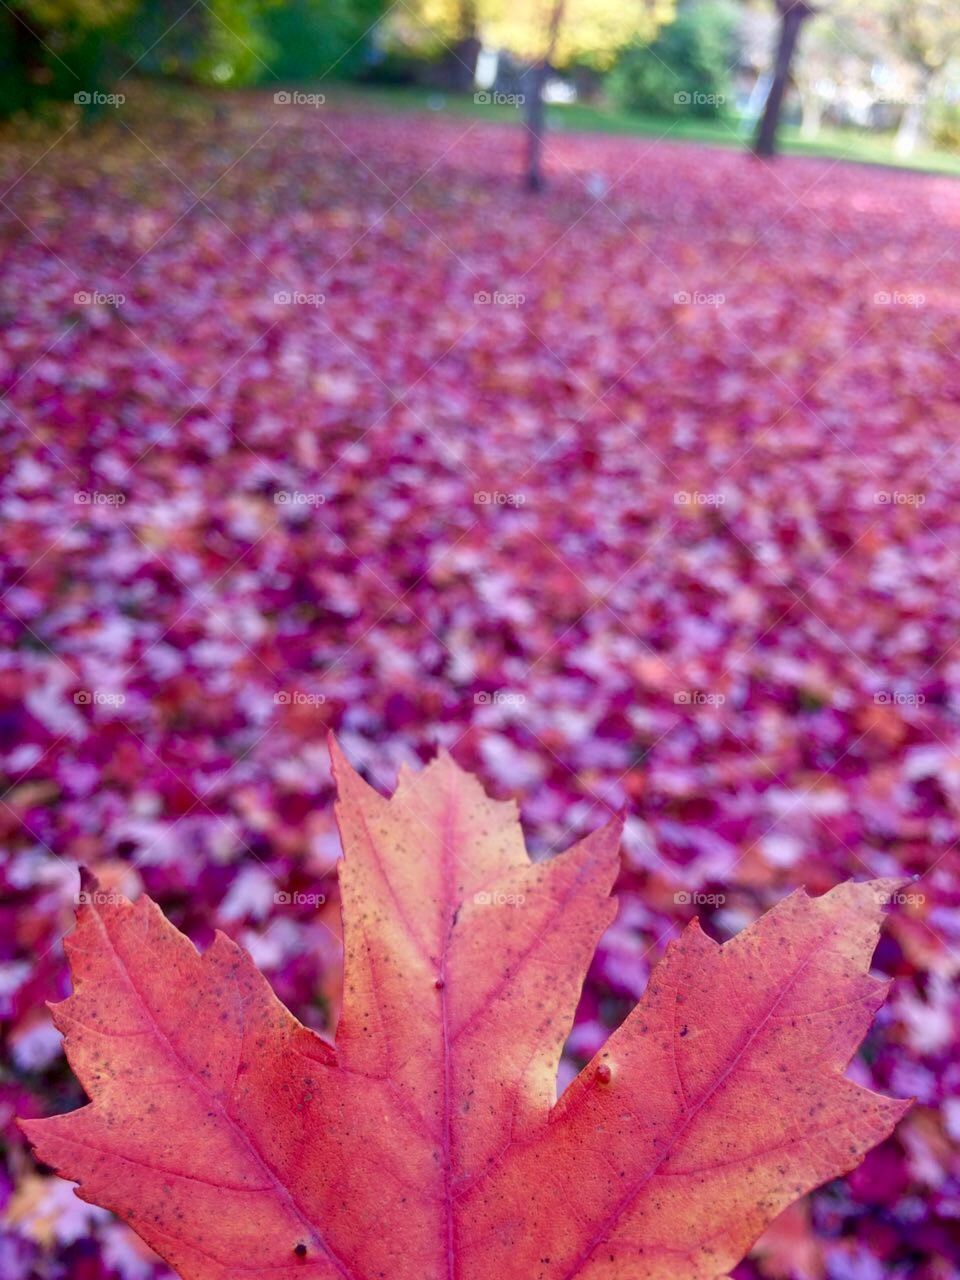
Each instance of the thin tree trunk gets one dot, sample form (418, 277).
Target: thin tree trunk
(812, 114)
(792, 16)
(27, 48)
(911, 128)
(466, 49)
(463, 63)
(535, 117)
(534, 114)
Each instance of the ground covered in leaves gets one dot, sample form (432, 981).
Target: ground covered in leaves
(640, 495)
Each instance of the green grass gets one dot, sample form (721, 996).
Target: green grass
(840, 144)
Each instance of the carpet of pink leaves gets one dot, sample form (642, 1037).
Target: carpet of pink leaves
(642, 495)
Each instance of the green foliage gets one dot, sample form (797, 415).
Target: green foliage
(16, 89)
(943, 124)
(393, 67)
(312, 38)
(52, 49)
(685, 70)
(77, 15)
(235, 49)
(220, 42)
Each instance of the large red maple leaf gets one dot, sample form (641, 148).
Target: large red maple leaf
(428, 1144)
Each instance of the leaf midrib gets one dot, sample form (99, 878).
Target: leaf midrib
(450, 908)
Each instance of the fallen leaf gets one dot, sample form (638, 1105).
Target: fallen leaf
(428, 1142)
(789, 1248)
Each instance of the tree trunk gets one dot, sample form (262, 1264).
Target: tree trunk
(23, 74)
(461, 64)
(911, 128)
(792, 15)
(534, 118)
(811, 105)
(466, 49)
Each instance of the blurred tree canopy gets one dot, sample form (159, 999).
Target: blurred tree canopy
(55, 49)
(926, 34)
(898, 56)
(81, 13)
(314, 37)
(582, 32)
(685, 70)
